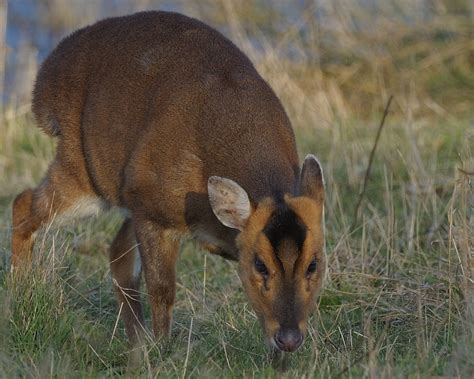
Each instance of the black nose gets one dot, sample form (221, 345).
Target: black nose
(288, 339)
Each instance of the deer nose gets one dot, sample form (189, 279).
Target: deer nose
(288, 339)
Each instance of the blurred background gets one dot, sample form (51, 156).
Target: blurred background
(339, 59)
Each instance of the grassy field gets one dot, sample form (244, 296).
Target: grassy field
(399, 295)
(396, 301)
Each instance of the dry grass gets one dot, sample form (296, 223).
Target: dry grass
(399, 296)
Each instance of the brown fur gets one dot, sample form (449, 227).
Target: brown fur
(146, 109)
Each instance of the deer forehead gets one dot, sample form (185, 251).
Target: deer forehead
(288, 223)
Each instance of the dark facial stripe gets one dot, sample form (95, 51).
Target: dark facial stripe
(285, 224)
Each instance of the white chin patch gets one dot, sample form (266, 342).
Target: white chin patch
(271, 343)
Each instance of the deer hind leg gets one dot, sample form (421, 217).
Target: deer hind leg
(60, 196)
(125, 266)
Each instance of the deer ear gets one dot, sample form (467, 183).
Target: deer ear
(229, 202)
(311, 179)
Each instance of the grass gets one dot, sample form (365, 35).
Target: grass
(395, 302)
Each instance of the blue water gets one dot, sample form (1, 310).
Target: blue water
(28, 23)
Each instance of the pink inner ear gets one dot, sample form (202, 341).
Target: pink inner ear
(229, 202)
(230, 212)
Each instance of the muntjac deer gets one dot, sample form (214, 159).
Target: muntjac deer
(162, 116)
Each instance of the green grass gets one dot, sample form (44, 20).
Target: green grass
(395, 303)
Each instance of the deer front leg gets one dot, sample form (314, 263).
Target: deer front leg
(158, 250)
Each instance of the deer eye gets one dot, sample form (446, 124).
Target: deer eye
(261, 268)
(311, 268)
